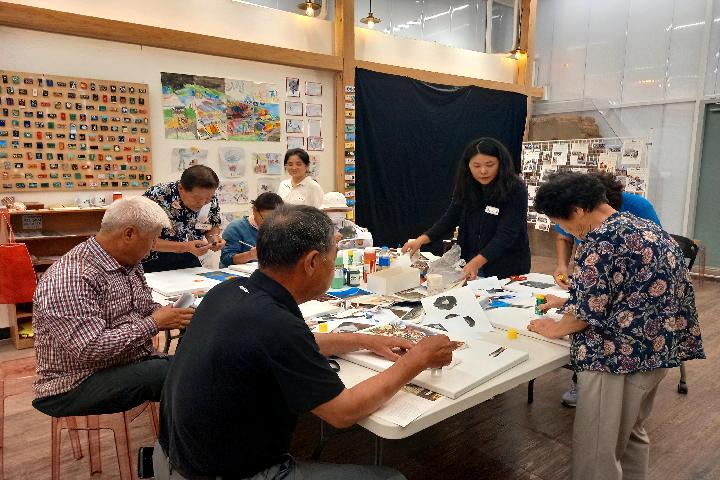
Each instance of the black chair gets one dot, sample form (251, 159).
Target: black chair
(690, 251)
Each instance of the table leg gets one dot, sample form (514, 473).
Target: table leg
(378, 450)
(531, 385)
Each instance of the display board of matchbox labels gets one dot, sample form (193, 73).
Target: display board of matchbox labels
(73, 133)
(349, 135)
(627, 158)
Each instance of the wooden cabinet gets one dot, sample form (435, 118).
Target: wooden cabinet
(48, 234)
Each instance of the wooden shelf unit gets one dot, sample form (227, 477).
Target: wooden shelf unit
(60, 231)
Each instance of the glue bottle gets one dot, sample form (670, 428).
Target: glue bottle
(369, 262)
(384, 259)
(539, 300)
(339, 278)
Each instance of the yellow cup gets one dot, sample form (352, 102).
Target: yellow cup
(512, 334)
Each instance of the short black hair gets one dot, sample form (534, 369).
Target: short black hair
(563, 192)
(290, 232)
(199, 176)
(613, 188)
(267, 201)
(302, 155)
(468, 191)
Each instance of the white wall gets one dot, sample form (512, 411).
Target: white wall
(643, 63)
(374, 46)
(219, 18)
(64, 55)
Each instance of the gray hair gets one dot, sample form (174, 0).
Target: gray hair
(139, 212)
(290, 232)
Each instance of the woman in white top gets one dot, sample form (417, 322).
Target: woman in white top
(300, 189)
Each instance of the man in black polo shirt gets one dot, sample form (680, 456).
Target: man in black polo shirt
(249, 365)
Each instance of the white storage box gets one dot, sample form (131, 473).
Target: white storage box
(392, 280)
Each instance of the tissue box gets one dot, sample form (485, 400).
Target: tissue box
(392, 280)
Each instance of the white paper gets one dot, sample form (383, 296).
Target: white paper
(232, 161)
(185, 300)
(578, 154)
(458, 311)
(403, 408)
(488, 283)
(637, 180)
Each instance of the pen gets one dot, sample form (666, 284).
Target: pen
(246, 244)
(497, 352)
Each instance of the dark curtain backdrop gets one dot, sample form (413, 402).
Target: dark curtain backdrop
(410, 136)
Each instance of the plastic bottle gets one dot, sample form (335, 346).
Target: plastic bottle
(339, 279)
(383, 261)
(539, 300)
(354, 275)
(369, 259)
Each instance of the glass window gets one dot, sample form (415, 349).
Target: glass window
(436, 21)
(503, 25)
(406, 18)
(467, 24)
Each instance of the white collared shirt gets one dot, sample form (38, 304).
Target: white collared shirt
(307, 192)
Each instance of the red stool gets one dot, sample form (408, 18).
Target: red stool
(119, 423)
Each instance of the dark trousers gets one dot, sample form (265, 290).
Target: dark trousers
(170, 261)
(112, 390)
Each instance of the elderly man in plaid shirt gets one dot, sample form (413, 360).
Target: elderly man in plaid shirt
(94, 319)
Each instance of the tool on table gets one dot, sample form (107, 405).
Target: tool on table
(497, 352)
(516, 278)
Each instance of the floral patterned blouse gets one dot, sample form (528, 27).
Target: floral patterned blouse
(182, 219)
(632, 287)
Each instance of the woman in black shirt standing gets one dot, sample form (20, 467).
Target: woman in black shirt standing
(490, 207)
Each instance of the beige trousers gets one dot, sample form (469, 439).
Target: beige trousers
(609, 437)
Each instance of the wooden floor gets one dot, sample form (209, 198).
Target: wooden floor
(504, 438)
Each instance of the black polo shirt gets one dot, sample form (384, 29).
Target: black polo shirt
(247, 366)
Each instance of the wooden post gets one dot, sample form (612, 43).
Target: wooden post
(525, 63)
(344, 47)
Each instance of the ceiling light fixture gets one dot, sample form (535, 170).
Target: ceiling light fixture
(371, 19)
(517, 53)
(310, 7)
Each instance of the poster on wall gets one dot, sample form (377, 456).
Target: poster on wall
(315, 144)
(227, 217)
(637, 181)
(267, 163)
(292, 87)
(295, 142)
(559, 153)
(632, 151)
(233, 192)
(214, 108)
(607, 162)
(294, 108)
(530, 161)
(578, 154)
(313, 89)
(232, 161)
(314, 128)
(268, 185)
(294, 125)
(313, 110)
(185, 157)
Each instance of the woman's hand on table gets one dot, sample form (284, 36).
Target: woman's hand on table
(552, 301)
(412, 246)
(197, 247)
(545, 327)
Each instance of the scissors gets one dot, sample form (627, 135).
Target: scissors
(516, 278)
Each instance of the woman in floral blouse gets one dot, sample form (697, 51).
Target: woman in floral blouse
(631, 316)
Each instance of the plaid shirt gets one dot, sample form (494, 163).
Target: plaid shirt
(90, 313)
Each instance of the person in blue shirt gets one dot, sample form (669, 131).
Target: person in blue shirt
(619, 200)
(241, 235)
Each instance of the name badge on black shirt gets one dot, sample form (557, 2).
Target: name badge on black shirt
(492, 210)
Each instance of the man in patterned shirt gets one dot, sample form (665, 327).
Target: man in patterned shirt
(631, 314)
(194, 215)
(94, 319)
